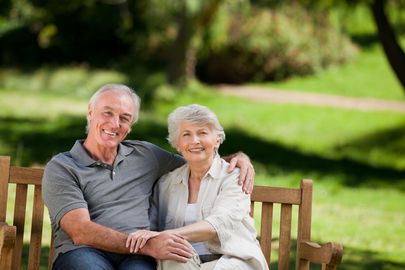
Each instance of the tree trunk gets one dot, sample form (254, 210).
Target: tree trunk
(392, 49)
(182, 58)
(176, 73)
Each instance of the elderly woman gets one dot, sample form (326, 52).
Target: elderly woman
(201, 201)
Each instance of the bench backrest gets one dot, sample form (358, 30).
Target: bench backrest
(23, 178)
(285, 198)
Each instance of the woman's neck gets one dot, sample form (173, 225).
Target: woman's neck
(198, 171)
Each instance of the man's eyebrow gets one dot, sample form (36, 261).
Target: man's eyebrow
(108, 108)
(111, 109)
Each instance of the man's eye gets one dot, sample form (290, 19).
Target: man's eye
(107, 113)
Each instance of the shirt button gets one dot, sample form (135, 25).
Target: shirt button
(113, 172)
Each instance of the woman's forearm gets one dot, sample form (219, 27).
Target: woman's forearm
(197, 232)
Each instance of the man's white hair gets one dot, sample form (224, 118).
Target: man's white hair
(119, 88)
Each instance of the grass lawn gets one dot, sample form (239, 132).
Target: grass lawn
(369, 75)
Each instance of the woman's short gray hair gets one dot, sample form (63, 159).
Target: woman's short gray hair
(196, 114)
(119, 88)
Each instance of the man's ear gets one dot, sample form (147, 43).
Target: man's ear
(89, 112)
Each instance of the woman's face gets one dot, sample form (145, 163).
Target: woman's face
(197, 143)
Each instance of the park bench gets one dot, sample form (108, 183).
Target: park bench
(12, 237)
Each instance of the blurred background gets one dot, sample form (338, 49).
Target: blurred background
(55, 54)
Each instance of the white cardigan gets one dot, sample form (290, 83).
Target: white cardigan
(222, 203)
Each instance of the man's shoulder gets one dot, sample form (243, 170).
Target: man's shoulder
(142, 146)
(138, 144)
(63, 157)
(59, 162)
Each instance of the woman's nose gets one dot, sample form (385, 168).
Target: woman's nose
(196, 139)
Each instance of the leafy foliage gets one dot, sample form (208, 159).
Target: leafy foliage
(271, 45)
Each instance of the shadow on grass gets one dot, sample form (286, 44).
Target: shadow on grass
(391, 141)
(276, 157)
(36, 141)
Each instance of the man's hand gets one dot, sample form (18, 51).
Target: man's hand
(168, 246)
(247, 172)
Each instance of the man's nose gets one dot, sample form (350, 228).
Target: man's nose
(115, 121)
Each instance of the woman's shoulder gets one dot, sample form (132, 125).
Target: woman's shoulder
(171, 177)
(222, 168)
(221, 173)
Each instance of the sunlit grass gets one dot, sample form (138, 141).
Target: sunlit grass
(369, 75)
(28, 104)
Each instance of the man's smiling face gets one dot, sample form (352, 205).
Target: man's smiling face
(110, 119)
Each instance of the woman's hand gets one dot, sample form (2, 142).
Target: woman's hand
(138, 239)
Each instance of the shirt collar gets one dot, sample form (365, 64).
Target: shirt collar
(80, 154)
(215, 170)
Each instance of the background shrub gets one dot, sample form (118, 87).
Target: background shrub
(265, 44)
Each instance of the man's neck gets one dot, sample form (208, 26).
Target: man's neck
(103, 154)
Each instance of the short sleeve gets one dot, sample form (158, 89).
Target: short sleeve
(60, 190)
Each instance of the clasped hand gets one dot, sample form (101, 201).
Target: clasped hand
(160, 245)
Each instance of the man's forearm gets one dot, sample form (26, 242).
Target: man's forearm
(101, 237)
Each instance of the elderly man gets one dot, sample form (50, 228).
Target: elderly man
(98, 192)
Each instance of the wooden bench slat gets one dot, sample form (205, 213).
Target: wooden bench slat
(51, 252)
(304, 221)
(4, 175)
(36, 230)
(29, 176)
(20, 207)
(7, 241)
(276, 195)
(266, 230)
(285, 237)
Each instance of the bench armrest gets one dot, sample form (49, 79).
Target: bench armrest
(329, 254)
(7, 242)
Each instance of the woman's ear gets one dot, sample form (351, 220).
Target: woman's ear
(218, 142)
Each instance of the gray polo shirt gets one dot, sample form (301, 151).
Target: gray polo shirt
(116, 196)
